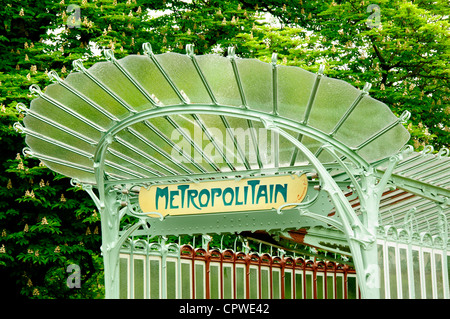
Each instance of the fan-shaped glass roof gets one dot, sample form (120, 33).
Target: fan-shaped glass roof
(179, 115)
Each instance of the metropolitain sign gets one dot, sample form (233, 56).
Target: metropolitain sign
(262, 193)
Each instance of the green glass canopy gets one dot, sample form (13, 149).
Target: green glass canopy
(163, 119)
(68, 122)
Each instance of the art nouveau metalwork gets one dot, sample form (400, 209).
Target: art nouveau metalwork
(183, 271)
(170, 118)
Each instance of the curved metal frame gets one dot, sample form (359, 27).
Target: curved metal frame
(367, 182)
(360, 235)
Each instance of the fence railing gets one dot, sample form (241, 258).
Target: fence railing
(157, 270)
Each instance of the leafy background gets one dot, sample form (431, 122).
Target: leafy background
(47, 224)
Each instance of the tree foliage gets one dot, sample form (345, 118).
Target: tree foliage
(47, 224)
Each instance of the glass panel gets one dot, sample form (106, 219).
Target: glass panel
(171, 272)
(219, 74)
(439, 275)
(339, 286)
(276, 281)
(288, 284)
(199, 281)
(385, 144)
(416, 273)
(392, 272)
(299, 286)
(154, 279)
(185, 281)
(123, 285)
(265, 284)
(294, 89)
(57, 134)
(309, 286)
(330, 286)
(227, 282)
(333, 98)
(182, 72)
(118, 83)
(253, 283)
(138, 278)
(353, 134)
(83, 84)
(351, 287)
(427, 274)
(214, 280)
(404, 272)
(151, 80)
(256, 77)
(382, 271)
(320, 284)
(240, 282)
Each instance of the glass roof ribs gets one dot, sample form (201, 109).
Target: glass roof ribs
(148, 120)
(308, 110)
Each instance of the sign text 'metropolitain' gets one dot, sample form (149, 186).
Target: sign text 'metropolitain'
(224, 195)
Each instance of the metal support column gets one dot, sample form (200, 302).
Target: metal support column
(361, 239)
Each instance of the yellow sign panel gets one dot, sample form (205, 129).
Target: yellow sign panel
(223, 196)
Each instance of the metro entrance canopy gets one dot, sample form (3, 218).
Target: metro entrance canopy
(208, 144)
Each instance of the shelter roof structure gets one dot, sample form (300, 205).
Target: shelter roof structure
(147, 120)
(75, 116)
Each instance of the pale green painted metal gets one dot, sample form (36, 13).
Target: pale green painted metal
(329, 148)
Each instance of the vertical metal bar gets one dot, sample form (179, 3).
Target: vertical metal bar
(184, 99)
(163, 268)
(282, 270)
(207, 274)
(190, 53)
(308, 109)
(274, 84)
(235, 142)
(271, 274)
(234, 273)
(131, 278)
(276, 141)
(178, 274)
(212, 140)
(232, 57)
(147, 267)
(193, 271)
(294, 281)
(221, 274)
